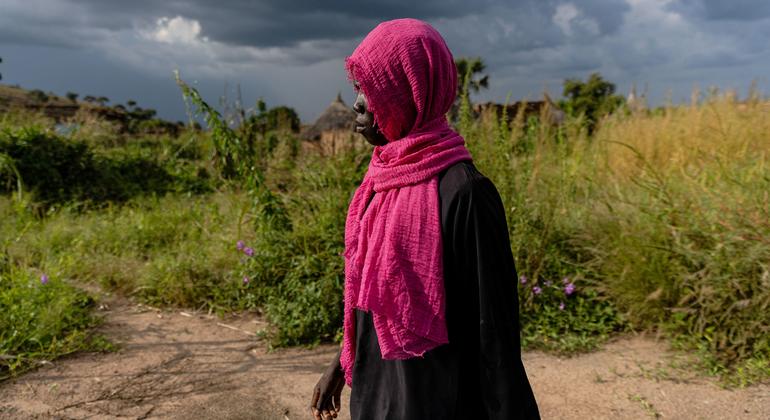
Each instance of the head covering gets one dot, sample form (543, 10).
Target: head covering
(393, 249)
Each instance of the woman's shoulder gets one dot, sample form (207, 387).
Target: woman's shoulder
(460, 177)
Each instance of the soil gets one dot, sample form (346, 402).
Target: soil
(184, 365)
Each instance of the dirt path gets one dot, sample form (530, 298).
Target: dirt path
(189, 366)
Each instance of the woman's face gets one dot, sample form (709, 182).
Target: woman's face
(365, 121)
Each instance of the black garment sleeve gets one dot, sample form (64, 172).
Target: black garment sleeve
(485, 300)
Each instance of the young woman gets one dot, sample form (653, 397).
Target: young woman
(431, 309)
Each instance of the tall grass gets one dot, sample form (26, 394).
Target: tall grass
(658, 220)
(41, 317)
(664, 215)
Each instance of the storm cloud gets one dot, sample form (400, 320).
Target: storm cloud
(291, 51)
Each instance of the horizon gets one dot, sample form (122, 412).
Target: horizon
(292, 53)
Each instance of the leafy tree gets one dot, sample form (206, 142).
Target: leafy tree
(102, 100)
(72, 96)
(131, 103)
(90, 99)
(592, 99)
(472, 68)
(38, 95)
(279, 117)
(142, 114)
(1, 75)
(469, 76)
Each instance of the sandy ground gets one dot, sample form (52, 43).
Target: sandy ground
(191, 366)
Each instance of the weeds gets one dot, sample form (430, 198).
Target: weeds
(658, 220)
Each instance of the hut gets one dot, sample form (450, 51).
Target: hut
(332, 132)
(545, 108)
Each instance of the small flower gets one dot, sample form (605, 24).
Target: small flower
(548, 283)
(523, 279)
(565, 280)
(44, 279)
(248, 251)
(246, 280)
(537, 290)
(561, 306)
(569, 289)
(240, 245)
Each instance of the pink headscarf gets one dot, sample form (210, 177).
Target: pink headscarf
(393, 249)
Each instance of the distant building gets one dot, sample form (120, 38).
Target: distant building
(332, 132)
(545, 107)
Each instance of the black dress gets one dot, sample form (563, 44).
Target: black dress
(479, 374)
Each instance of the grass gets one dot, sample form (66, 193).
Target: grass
(662, 216)
(658, 220)
(42, 320)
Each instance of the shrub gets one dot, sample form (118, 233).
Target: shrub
(41, 318)
(56, 170)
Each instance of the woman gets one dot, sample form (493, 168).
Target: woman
(431, 311)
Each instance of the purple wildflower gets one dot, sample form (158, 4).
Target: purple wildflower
(44, 279)
(248, 251)
(537, 290)
(561, 306)
(246, 280)
(548, 283)
(240, 245)
(569, 289)
(565, 280)
(523, 279)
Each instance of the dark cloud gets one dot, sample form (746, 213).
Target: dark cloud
(607, 13)
(291, 51)
(279, 22)
(723, 9)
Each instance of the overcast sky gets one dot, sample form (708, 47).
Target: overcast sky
(291, 51)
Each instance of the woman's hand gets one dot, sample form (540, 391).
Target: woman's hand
(328, 391)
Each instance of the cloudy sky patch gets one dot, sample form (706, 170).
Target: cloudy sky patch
(291, 51)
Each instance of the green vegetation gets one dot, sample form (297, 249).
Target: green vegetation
(661, 218)
(472, 69)
(591, 100)
(652, 220)
(42, 317)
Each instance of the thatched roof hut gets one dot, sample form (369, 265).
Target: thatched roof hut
(333, 132)
(545, 107)
(336, 117)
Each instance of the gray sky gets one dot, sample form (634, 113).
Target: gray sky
(291, 51)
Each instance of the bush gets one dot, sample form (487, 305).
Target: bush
(298, 272)
(56, 170)
(41, 318)
(660, 218)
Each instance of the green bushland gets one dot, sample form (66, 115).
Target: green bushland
(41, 318)
(660, 219)
(656, 220)
(65, 169)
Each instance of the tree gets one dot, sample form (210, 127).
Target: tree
(1, 74)
(131, 103)
(468, 70)
(72, 96)
(471, 68)
(38, 95)
(102, 100)
(89, 99)
(592, 99)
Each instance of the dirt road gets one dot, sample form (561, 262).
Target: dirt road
(192, 366)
